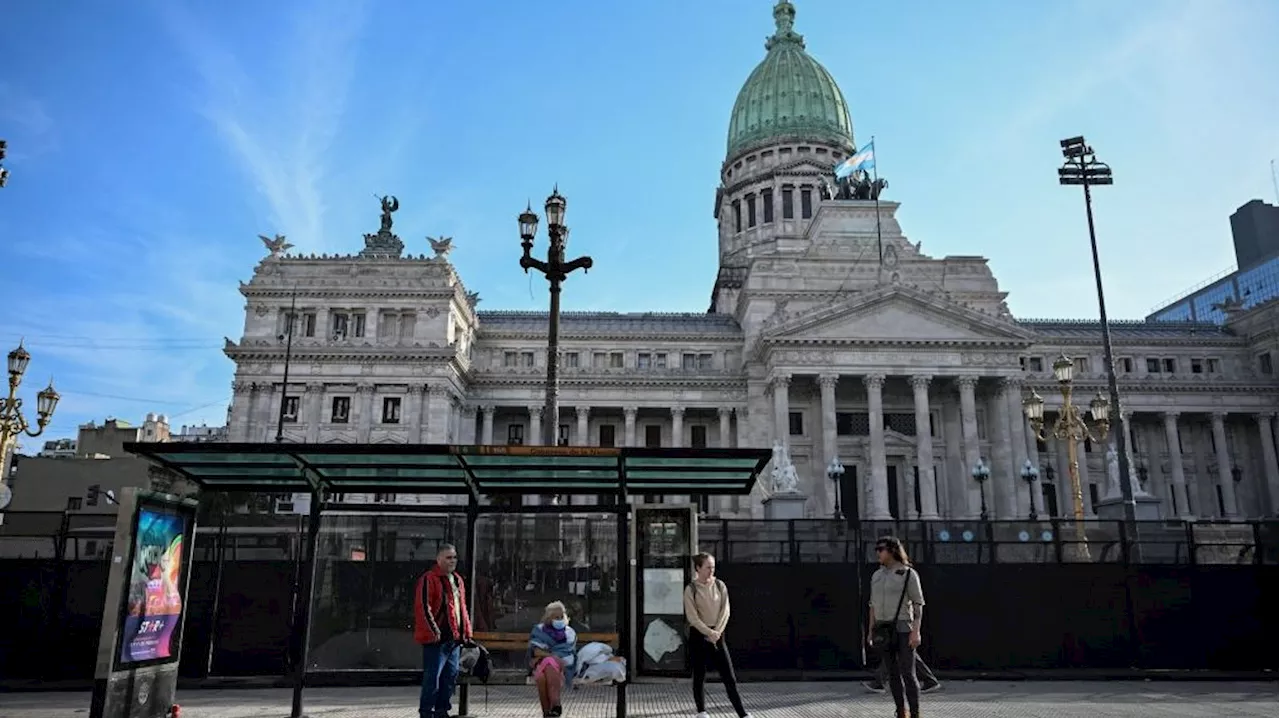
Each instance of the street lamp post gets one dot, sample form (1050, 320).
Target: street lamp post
(288, 358)
(1071, 427)
(556, 270)
(1029, 474)
(835, 472)
(12, 422)
(981, 472)
(1083, 168)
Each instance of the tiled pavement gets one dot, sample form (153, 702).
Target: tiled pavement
(988, 699)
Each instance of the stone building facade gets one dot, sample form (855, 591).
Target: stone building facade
(829, 331)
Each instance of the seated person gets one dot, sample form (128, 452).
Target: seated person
(552, 644)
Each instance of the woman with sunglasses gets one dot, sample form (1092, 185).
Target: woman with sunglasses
(897, 609)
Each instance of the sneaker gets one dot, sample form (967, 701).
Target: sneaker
(930, 688)
(873, 688)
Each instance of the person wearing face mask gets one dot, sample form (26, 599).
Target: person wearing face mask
(552, 645)
(706, 608)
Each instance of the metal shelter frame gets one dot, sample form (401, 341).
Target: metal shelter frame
(477, 472)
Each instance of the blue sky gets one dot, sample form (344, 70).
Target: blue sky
(151, 142)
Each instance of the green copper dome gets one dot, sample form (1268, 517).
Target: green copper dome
(788, 95)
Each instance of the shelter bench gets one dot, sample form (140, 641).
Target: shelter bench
(511, 641)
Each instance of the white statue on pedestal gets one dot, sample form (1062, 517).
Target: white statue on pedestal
(784, 477)
(1113, 471)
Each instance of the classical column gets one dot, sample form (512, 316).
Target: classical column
(583, 435)
(781, 385)
(413, 415)
(486, 430)
(677, 427)
(315, 410)
(629, 425)
(1182, 498)
(467, 434)
(969, 432)
(953, 472)
(879, 508)
(364, 394)
(437, 415)
(1004, 488)
(1217, 424)
(241, 406)
(1018, 431)
(924, 448)
(830, 449)
(1268, 457)
(535, 427)
(726, 438)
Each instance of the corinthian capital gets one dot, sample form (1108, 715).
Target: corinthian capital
(828, 381)
(967, 383)
(780, 381)
(873, 381)
(920, 382)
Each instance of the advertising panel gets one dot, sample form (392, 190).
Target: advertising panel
(153, 602)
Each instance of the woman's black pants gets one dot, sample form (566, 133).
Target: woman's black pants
(900, 658)
(703, 653)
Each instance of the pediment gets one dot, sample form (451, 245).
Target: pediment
(898, 314)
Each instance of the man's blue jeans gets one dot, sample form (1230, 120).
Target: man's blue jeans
(439, 676)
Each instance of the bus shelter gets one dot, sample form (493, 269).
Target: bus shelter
(477, 474)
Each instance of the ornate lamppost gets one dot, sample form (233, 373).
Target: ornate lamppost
(1071, 427)
(12, 422)
(1029, 474)
(980, 473)
(835, 472)
(556, 270)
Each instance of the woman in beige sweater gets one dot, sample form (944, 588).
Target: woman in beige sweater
(706, 607)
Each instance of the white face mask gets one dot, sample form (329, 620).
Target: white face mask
(560, 623)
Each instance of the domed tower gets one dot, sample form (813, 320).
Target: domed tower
(790, 126)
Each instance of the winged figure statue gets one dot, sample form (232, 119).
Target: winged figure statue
(442, 246)
(277, 245)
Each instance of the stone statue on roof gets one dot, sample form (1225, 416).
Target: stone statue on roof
(389, 204)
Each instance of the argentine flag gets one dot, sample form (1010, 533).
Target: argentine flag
(864, 159)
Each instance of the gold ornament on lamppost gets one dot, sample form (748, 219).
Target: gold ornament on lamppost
(12, 423)
(1071, 426)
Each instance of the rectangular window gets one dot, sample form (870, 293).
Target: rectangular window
(73, 503)
(94, 492)
(607, 436)
(1211, 366)
(1169, 365)
(787, 211)
(1035, 364)
(562, 435)
(599, 360)
(751, 210)
(510, 359)
(515, 434)
(704, 361)
(340, 323)
(291, 408)
(1197, 366)
(391, 410)
(698, 436)
(1082, 365)
(652, 436)
(1264, 363)
(644, 360)
(688, 362)
(844, 423)
(806, 203)
(766, 197)
(737, 216)
(1124, 365)
(526, 359)
(795, 423)
(660, 360)
(309, 324)
(1153, 365)
(569, 360)
(357, 324)
(615, 360)
(340, 410)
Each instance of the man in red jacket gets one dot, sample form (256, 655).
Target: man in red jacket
(441, 625)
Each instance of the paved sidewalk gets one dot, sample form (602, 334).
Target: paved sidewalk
(766, 700)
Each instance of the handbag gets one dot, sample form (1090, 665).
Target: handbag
(883, 632)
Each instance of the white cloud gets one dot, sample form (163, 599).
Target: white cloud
(281, 124)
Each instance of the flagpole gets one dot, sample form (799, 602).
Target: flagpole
(875, 179)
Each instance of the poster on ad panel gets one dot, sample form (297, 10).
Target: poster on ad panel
(153, 608)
